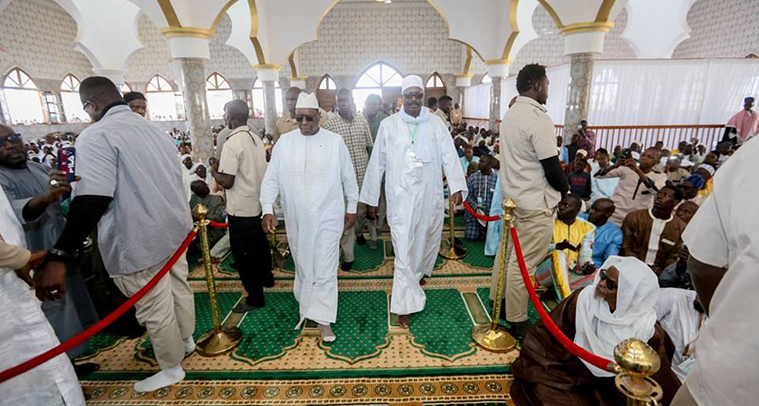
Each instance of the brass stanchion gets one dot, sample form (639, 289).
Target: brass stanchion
(493, 336)
(453, 248)
(636, 360)
(220, 339)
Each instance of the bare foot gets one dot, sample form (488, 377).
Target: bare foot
(403, 321)
(326, 332)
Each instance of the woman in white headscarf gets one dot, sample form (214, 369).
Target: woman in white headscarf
(619, 305)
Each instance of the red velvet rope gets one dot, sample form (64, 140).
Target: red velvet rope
(478, 215)
(86, 334)
(216, 225)
(582, 353)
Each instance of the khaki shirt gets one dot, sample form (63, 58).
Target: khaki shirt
(442, 116)
(244, 156)
(527, 136)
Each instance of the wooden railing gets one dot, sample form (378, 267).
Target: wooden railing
(623, 135)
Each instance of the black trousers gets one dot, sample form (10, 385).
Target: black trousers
(252, 256)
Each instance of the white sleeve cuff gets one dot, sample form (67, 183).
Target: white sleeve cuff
(352, 207)
(267, 208)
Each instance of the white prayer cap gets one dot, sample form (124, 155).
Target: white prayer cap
(581, 153)
(307, 101)
(411, 81)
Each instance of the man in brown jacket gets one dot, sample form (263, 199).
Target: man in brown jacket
(653, 235)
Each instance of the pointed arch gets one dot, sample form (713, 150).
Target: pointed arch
(162, 99)
(72, 106)
(378, 78)
(23, 100)
(326, 92)
(434, 87)
(218, 93)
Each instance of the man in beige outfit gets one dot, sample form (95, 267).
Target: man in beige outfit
(532, 176)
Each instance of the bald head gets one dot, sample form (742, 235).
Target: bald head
(291, 99)
(236, 114)
(601, 211)
(96, 94)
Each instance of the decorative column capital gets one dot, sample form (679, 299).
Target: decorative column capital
(464, 79)
(267, 73)
(298, 81)
(115, 75)
(498, 68)
(188, 42)
(587, 37)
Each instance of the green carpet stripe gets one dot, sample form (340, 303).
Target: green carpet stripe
(444, 326)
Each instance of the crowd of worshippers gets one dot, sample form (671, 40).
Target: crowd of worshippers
(92, 240)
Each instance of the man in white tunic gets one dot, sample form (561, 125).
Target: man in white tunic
(413, 150)
(311, 171)
(25, 332)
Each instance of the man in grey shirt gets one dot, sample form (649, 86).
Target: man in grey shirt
(34, 195)
(131, 187)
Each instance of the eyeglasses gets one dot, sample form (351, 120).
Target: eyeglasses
(308, 119)
(14, 138)
(417, 96)
(84, 106)
(609, 283)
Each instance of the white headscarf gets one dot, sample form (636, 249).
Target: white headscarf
(598, 330)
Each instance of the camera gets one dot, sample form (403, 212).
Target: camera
(627, 153)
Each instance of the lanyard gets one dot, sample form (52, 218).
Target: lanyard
(413, 133)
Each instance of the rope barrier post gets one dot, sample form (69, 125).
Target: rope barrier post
(453, 248)
(493, 336)
(220, 339)
(636, 360)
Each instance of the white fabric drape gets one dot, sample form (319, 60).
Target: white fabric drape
(643, 92)
(477, 101)
(668, 92)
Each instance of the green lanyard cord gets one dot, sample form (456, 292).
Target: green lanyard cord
(413, 133)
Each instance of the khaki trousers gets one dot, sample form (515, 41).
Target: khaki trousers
(167, 310)
(535, 229)
(348, 240)
(684, 397)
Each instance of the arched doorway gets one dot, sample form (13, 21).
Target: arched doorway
(435, 87)
(381, 79)
(326, 92)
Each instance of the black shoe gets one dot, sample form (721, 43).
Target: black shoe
(519, 330)
(347, 266)
(268, 280)
(244, 307)
(86, 368)
(360, 240)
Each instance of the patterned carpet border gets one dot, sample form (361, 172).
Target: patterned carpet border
(424, 390)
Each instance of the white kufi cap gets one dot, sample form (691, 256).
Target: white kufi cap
(411, 81)
(307, 101)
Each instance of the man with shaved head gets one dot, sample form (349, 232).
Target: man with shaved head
(358, 138)
(240, 172)
(608, 237)
(131, 187)
(287, 122)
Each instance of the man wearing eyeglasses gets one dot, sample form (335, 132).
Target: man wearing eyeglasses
(413, 151)
(312, 173)
(34, 192)
(287, 122)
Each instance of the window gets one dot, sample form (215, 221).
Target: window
(162, 103)
(435, 82)
(327, 83)
(22, 98)
(219, 93)
(52, 107)
(124, 88)
(486, 79)
(258, 98)
(374, 80)
(72, 105)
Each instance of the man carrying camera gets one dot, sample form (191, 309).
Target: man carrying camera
(638, 183)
